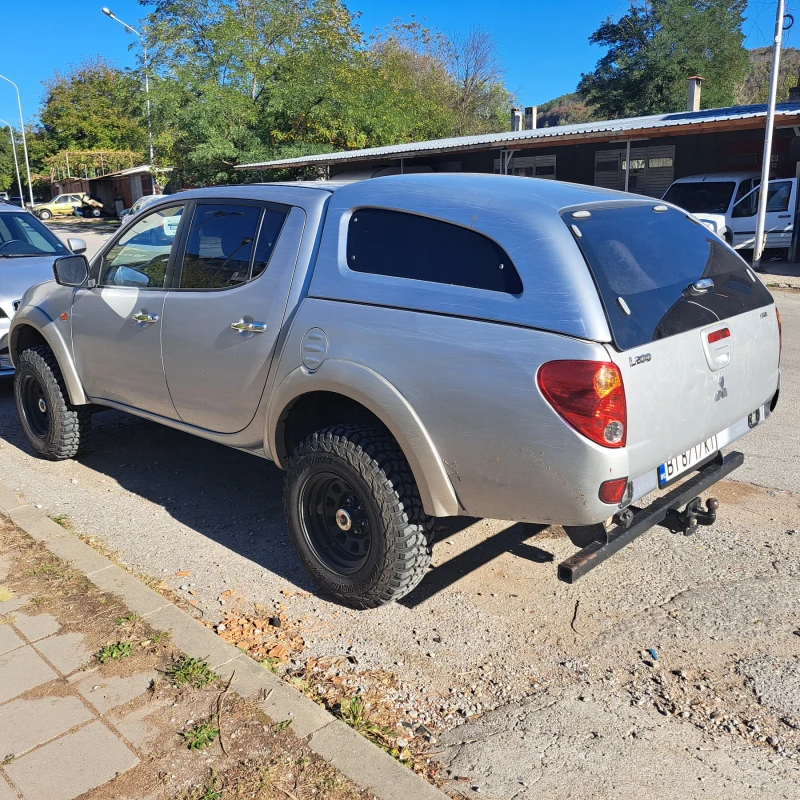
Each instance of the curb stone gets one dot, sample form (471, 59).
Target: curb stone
(354, 756)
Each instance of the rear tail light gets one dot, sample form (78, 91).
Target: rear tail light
(612, 492)
(780, 333)
(589, 395)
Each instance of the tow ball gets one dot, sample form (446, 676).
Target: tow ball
(686, 521)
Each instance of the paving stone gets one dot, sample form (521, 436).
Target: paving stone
(7, 606)
(137, 596)
(28, 723)
(80, 555)
(72, 765)
(368, 766)
(107, 693)
(36, 626)
(193, 638)
(22, 669)
(9, 500)
(8, 640)
(6, 792)
(5, 566)
(66, 652)
(35, 524)
(136, 726)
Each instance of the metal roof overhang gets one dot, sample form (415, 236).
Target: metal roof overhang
(688, 123)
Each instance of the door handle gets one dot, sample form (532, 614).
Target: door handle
(141, 316)
(784, 216)
(249, 327)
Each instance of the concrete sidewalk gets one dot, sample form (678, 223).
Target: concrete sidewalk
(68, 725)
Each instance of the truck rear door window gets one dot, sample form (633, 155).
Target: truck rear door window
(401, 245)
(644, 263)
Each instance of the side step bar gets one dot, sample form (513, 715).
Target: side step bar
(643, 519)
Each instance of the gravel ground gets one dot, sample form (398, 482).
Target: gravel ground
(529, 685)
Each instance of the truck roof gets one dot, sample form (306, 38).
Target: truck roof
(716, 176)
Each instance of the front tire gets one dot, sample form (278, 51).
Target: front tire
(55, 428)
(355, 515)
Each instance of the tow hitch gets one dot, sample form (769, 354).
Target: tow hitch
(686, 521)
(663, 511)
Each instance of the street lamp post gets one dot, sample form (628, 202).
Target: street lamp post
(24, 141)
(111, 15)
(16, 163)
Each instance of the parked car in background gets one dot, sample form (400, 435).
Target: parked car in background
(127, 214)
(417, 346)
(60, 205)
(27, 249)
(4, 197)
(727, 203)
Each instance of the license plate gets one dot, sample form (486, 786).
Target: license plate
(670, 470)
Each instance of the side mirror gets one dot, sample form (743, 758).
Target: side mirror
(71, 270)
(76, 245)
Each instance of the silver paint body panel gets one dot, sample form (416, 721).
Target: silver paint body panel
(450, 371)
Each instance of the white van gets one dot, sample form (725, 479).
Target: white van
(726, 203)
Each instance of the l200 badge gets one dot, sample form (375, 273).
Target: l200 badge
(642, 359)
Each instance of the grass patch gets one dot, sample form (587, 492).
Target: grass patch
(8, 759)
(191, 672)
(53, 569)
(201, 736)
(114, 652)
(131, 616)
(282, 725)
(61, 519)
(271, 664)
(5, 594)
(353, 712)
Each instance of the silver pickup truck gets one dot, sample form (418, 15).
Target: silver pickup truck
(418, 346)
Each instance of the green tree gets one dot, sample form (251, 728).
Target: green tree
(93, 106)
(7, 173)
(656, 45)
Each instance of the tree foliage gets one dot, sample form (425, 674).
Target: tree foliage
(94, 106)
(656, 45)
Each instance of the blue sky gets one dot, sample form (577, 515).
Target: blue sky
(543, 44)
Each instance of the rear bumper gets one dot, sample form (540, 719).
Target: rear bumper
(643, 519)
(648, 482)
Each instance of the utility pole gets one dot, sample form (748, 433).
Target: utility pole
(16, 163)
(24, 141)
(758, 246)
(110, 14)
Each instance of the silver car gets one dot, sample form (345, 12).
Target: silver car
(419, 346)
(27, 249)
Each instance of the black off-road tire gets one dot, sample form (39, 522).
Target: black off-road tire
(398, 530)
(62, 430)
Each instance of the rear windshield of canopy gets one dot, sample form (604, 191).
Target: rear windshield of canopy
(646, 260)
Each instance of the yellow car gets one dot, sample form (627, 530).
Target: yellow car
(62, 204)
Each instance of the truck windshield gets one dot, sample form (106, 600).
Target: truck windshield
(706, 197)
(644, 263)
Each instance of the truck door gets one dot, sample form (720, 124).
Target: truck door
(223, 318)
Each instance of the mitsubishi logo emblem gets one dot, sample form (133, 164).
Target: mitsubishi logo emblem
(722, 391)
(15, 304)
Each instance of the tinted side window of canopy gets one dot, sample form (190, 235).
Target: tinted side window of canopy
(410, 246)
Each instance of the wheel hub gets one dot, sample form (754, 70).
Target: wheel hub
(344, 520)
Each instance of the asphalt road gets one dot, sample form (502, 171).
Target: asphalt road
(578, 711)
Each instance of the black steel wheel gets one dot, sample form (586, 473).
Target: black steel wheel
(54, 427)
(355, 515)
(33, 405)
(335, 522)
